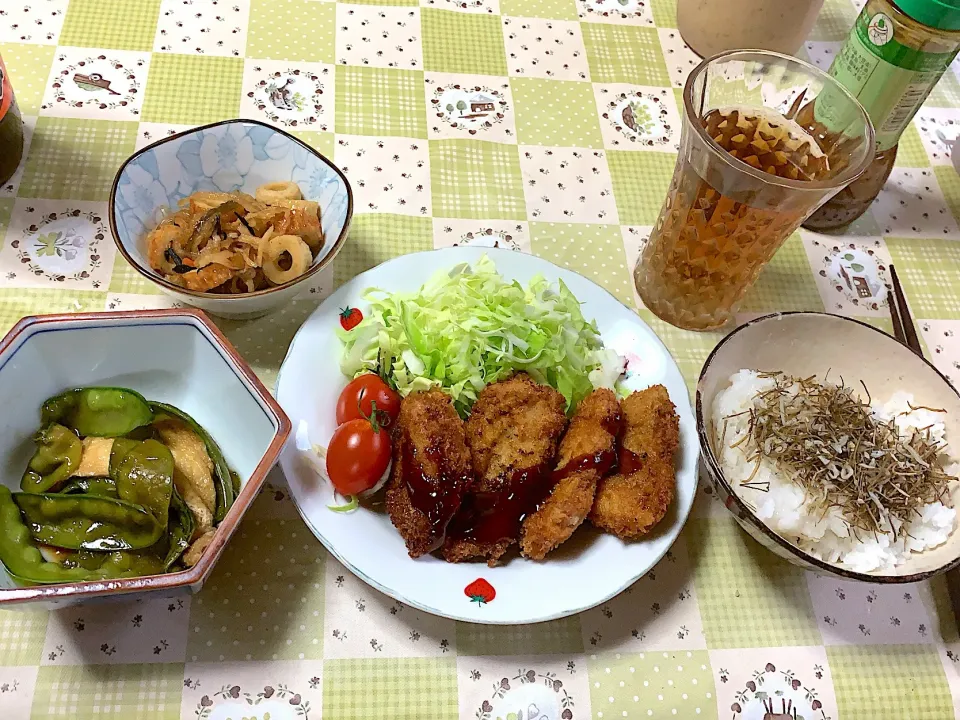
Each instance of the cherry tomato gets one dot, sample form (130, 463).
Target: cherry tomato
(358, 455)
(356, 400)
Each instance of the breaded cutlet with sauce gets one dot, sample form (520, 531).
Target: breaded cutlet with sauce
(630, 502)
(586, 455)
(512, 433)
(431, 470)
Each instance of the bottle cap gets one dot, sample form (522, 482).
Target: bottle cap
(939, 14)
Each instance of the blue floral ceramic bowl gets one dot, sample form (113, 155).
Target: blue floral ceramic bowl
(225, 156)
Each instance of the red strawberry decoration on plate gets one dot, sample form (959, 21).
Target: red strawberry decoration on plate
(480, 591)
(350, 317)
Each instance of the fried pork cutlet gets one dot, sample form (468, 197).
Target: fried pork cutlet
(585, 456)
(512, 434)
(629, 503)
(431, 470)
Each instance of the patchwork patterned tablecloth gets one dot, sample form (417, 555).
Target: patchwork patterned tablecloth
(457, 121)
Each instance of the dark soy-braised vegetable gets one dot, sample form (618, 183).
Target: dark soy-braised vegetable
(106, 496)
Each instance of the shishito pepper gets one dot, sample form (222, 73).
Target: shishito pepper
(57, 457)
(179, 531)
(144, 477)
(98, 411)
(88, 522)
(102, 486)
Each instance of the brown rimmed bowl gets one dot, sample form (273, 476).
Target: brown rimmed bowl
(808, 343)
(173, 356)
(226, 156)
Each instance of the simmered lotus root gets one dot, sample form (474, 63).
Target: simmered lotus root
(295, 250)
(777, 146)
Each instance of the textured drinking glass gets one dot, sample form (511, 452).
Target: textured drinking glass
(766, 139)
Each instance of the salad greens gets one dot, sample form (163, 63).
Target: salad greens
(468, 327)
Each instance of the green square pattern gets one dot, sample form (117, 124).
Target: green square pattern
(125, 279)
(949, 183)
(6, 208)
(117, 24)
(946, 93)
(322, 142)
(551, 9)
(640, 183)
(476, 179)
(664, 13)
(81, 692)
(380, 101)
(444, 49)
(375, 238)
(408, 688)
(910, 149)
(292, 30)
(557, 637)
(624, 54)
(926, 268)
(241, 613)
(29, 66)
(594, 251)
(15, 303)
(76, 159)
(653, 684)
(748, 596)
(22, 632)
(785, 283)
(556, 113)
(889, 681)
(217, 80)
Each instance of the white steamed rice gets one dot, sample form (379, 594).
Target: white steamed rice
(785, 509)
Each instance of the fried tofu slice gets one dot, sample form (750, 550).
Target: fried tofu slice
(585, 456)
(431, 470)
(629, 503)
(512, 433)
(192, 471)
(95, 457)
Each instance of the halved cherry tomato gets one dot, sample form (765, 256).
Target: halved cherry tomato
(358, 455)
(356, 400)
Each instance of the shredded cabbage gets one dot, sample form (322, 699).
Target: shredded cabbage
(468, 327)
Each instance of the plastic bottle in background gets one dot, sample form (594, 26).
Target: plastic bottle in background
(892, 59)
(11, 128)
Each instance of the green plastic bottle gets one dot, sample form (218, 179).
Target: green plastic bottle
(893, 57)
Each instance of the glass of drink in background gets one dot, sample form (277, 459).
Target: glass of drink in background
(758, 154)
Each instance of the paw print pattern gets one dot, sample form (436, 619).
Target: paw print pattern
(480, 7)
(939, 129)
(622, 12)
(679, 57)
(38, 22)
(911, 204)
(202, 27)
(385, 37)
(567, 185)
(545, 49)
(389, 175)
(822, 54)
(942, 338)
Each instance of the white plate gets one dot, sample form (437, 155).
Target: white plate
(589, 569)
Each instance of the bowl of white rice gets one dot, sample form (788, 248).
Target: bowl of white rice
(832, 445)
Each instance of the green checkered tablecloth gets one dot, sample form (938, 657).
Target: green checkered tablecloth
(460, 121)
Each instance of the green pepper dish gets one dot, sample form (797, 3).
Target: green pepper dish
(118, 487)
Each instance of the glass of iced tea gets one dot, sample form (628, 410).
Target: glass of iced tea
(758, 154)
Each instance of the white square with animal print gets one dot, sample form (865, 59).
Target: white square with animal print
(96, 83)
(388, 175)
(385, 37)
(469, 106)
(567, 185)
(620, 12)
(293, 96)
(541, 48)
(636, 117)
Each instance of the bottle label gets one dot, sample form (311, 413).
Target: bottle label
(6, 91)
(889, 79)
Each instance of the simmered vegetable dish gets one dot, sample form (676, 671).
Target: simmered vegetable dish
(118, 487)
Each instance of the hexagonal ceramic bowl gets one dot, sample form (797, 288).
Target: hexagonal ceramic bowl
(174, 356)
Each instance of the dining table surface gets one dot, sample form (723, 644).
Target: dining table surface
(545, 126)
